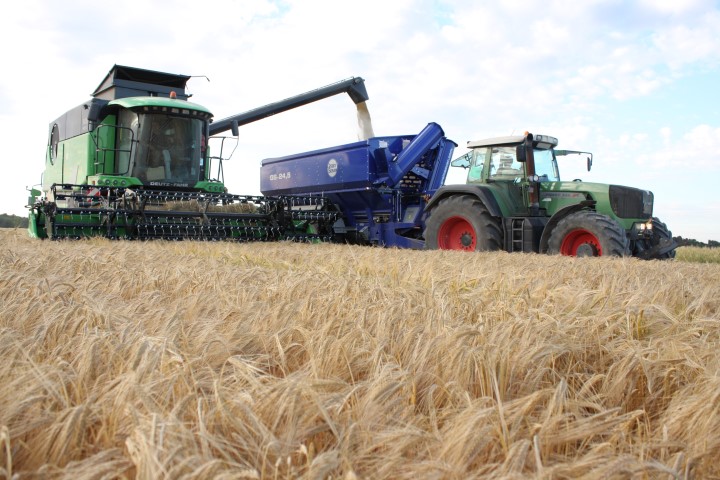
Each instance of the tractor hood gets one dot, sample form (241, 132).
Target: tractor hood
(618, 201)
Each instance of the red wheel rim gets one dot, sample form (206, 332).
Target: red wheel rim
(581, 242)
(456, 233)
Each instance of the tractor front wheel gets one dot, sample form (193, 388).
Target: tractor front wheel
(660, 246)
(462, 222)
(588, 234)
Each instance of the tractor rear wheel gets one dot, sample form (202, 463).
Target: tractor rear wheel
(588, 234)
(461, 222)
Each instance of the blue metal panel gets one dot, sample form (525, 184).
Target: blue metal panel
(352, 166)
(337, 168)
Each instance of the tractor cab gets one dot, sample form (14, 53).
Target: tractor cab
(505, 159)
(501, 164)
(520, 170)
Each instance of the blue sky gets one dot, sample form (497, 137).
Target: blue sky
(635, 82)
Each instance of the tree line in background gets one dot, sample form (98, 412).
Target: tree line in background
(13, 221)
(691, 242)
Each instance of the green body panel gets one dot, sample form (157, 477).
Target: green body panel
(134, 102)
(74, 161)
(114, 181)
(213, 186)
(33, 214)
(554, 196)
(511, 198)
(35, 224)
(210, 186)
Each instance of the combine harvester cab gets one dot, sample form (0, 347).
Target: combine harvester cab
(379, 186)
(134, 163)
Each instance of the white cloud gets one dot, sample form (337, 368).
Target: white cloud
(689, 44)
(674, 7)
(698, 148)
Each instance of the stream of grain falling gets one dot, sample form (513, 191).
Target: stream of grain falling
(365, 129)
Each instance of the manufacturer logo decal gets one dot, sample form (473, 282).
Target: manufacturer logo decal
(332, 167)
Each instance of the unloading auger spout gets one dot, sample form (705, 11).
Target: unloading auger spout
(354, 87)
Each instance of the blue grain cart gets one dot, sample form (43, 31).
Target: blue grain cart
(380, 185)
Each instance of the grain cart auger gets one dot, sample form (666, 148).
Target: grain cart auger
(133, 162)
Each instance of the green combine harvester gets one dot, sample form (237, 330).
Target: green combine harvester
(134, 163)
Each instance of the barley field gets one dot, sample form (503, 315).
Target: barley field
(159, 360)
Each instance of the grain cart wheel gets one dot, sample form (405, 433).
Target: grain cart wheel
(588, 234)
(461, 222)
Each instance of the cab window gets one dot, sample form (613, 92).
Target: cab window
(477, 163)
(504, 164)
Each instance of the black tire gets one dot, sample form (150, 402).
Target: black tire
(661, 235)
(588, 234)
(461, 222)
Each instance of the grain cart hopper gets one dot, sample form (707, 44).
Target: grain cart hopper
(134, 162)
(389, 191)
(380, 185)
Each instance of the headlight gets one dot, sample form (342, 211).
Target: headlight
(642, 229)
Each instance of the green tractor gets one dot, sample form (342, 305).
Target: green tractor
(514, 200)
(134, 162)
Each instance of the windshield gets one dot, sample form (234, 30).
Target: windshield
(545, 166)
(504, 165)
(169, 150)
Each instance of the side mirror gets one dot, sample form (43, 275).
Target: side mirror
(520, 153)
(589, 162)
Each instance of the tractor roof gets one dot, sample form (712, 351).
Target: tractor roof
(508, 140)
(539, 141)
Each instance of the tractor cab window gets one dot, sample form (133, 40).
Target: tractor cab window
(477, 163)
(504, 165)
(546, 166)
(169, 149)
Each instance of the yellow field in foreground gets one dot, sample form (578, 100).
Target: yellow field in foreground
(221, 360)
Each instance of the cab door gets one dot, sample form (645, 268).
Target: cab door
(506, 175)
